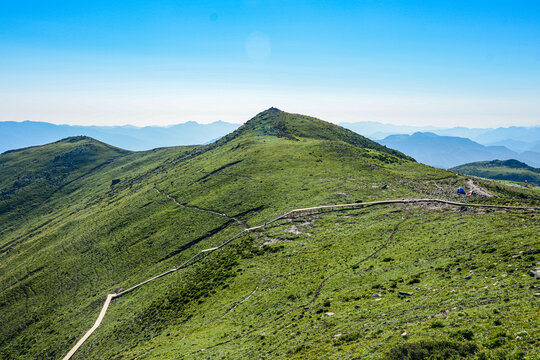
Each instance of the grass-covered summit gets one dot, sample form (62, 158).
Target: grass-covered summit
(293, 126)
(345, 284)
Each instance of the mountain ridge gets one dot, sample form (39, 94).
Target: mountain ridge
(15, 135)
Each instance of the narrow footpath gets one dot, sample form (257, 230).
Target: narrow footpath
(185, 206)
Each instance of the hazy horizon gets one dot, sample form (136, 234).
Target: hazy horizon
(243, 122)
(162, 63)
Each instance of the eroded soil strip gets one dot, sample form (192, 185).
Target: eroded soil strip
(240, 222)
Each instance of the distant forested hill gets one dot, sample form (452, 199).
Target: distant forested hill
(501, 170)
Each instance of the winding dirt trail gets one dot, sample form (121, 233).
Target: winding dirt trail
(301, 212)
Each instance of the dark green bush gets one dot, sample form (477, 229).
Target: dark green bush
(425, 349)
(436, 325)
(464, 334)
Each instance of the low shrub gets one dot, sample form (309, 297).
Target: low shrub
(464, 334)
(436, 325)
(427, 349)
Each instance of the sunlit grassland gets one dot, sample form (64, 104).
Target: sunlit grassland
(98, 225)
(425, 257)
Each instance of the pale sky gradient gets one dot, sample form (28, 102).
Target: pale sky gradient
(459, 63)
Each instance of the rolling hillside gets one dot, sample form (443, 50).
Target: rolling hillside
(501, 170)
(82, 219)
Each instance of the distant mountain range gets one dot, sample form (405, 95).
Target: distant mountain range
(449, 151)
(440, 147)
(501, 170)
(515, 138)
(15, 135)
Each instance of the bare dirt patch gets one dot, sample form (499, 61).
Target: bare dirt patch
(479, 191)
(300, 228)
(270, 241)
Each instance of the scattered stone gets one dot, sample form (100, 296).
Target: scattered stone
(533, 251)
(384, 187)
(337, 335)
(537, 294)
(405, 293)
(376, 296)
(467, 277)
(535, 274)
(329, 313)
(357, 306)
(404, 334)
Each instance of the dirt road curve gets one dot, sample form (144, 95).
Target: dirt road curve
(295, 211)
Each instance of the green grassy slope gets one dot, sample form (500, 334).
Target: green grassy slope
(512, 170)
(31, 176)
(85, 238)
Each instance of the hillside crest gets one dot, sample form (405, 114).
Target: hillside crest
(275, 122)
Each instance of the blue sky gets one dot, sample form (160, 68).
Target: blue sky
(445, 63)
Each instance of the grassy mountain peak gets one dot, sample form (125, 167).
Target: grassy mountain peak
(275, 122)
